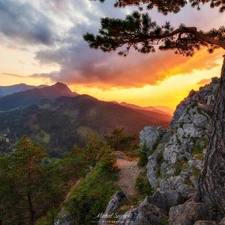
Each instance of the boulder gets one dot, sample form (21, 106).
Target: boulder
(187, 213)
(150, 135)
(166, 199)
(145, 213)
(114, 204)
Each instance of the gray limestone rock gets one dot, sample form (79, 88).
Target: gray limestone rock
(116, 202)
(150, 135)
(177, 159)
(145, 213)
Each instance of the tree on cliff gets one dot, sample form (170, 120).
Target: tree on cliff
(143, 34)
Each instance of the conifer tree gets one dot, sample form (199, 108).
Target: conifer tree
(26, 189)
(140, 32)
(118, 140)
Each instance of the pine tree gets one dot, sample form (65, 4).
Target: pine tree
(140, 32)
(118, 140)
(26, 188)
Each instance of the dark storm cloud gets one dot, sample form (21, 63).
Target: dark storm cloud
(81, 65)
(23, 23)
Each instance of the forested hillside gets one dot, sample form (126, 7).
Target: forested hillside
(60, 123)
(33, 186)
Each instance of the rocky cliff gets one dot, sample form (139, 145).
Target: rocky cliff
(175, 160)
(176, 155)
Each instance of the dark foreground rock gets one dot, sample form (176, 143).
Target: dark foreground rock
(118, 199)
(145, 213)
(187, 213)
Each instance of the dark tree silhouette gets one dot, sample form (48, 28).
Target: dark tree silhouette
(140, 32)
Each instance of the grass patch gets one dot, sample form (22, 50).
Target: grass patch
(198, 147)
(196, 172)
(158, 171)
(143, 185)
(164, 221)
(91, 196)
(179, 166)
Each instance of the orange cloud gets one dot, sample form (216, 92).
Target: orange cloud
(137, 70)
(204, 81)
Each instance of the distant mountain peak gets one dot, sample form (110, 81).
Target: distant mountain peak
(58, 89)
(62, 87)
(60, 84)
(22, 98)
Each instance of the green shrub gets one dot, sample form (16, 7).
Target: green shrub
(164, 221)
(143, 185)
(143, 160)
(196, 172)
(198, 147)
(118, 140)
(92, 194)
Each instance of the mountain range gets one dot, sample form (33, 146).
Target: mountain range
(159, 109)
(29, 95)
(8, 90)
(58, 118)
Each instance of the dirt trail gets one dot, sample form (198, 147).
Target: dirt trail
(128, 172)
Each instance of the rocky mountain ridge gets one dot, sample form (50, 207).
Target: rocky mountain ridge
(175, 160)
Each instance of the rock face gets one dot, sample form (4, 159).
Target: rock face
(145, 213)
(166, 199)
(175, 160)
(150, 135)
(115, 203)
(176, 155)
(187, 214)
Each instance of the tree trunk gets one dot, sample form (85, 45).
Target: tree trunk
(212, 178)
(31, 209)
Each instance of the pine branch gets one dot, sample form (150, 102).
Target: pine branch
(141, 33)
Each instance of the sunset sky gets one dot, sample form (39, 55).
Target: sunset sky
(41, 43)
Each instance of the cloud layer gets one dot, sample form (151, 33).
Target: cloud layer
(54, 30)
